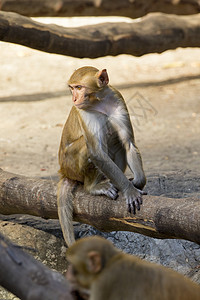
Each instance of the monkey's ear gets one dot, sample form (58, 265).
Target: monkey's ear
(102, 78)
(94, 262)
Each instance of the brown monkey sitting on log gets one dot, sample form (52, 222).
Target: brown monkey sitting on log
(96, 146)
(109, 274)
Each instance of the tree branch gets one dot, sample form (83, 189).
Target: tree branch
(159, 217)
(127, 8)
(153, 33)
(27, 278)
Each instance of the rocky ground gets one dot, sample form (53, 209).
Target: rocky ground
(163, 96)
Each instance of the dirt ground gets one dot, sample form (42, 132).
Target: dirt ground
(162, 92)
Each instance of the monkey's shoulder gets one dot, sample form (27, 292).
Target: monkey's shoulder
(116, 93)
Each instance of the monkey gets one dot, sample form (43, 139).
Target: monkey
(108, 273)
(97, 145)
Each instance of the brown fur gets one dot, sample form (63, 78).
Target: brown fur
(98, 143)
(107, 273)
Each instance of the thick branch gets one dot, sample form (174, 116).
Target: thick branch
(27, 278)
(159, 217)
(153, 33)
(127, 8)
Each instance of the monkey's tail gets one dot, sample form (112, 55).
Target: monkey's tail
(65, 209)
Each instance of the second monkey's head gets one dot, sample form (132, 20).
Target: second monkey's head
(84, 83)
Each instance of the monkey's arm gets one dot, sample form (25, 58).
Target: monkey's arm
(121, 122)
(96, 135)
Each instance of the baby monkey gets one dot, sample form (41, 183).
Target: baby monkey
(97, 145)
(106, 273)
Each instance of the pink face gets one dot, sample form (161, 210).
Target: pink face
(79, 95)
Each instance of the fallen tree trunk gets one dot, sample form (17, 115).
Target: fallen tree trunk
(159, 217)
(127, 8)
(27, 278)
(154, 33)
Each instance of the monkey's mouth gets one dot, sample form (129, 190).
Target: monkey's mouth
(80, 105)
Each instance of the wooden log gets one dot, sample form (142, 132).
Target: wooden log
(153, 33)
(27, 278)
(159, 217)
(126, 8)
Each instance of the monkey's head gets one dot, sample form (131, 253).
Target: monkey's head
(84, 83)
(87, 258)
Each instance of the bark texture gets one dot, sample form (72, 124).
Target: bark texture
(159, 217)
(154, 33)
(126, 8)
(27, 278)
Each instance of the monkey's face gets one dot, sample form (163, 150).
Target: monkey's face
(85, 83)
(78, 276)
(81, 96)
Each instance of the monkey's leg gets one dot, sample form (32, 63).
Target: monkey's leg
(65, 208)
(135, 164)
(96, 183)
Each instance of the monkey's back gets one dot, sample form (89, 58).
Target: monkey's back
(128, 277)
(73, 151)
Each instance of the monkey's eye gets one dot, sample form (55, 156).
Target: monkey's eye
(79, 87)
(74, 271)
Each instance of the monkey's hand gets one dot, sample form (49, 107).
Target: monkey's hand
(133, 198)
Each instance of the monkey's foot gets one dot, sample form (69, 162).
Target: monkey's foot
(133, 198)
(105, 188)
